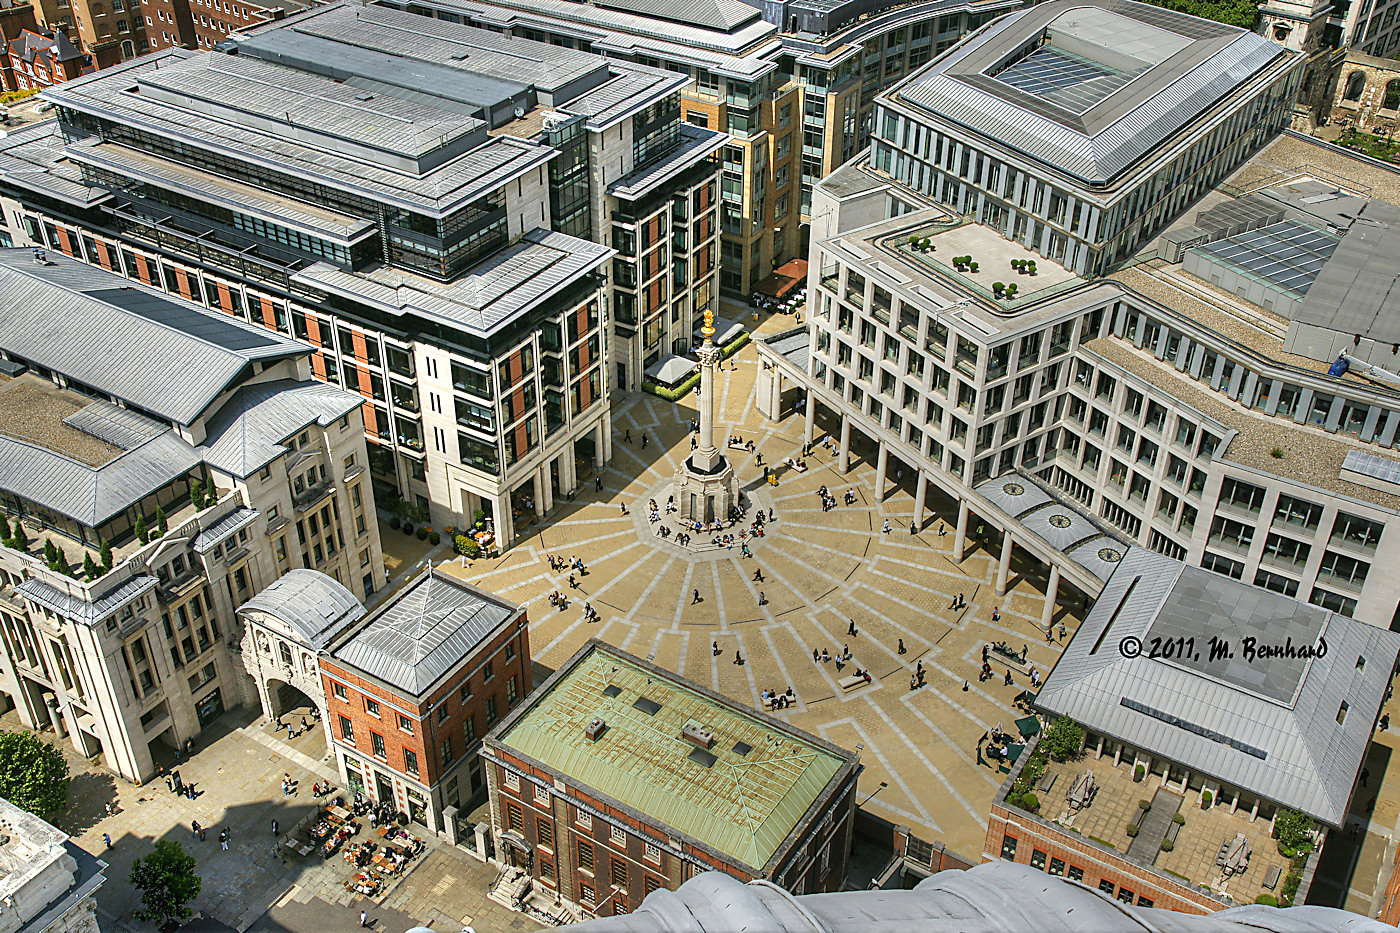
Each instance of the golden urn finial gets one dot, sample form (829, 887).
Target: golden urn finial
(708, 330)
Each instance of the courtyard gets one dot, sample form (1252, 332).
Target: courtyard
(811, 575)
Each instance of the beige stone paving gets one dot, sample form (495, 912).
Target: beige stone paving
(821, 569)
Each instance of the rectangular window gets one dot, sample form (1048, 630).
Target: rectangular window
(1057, 866)
(584, 819)
(653, 854)
(512, 691)
(339, 691)
(585, 857)
(618, 835)
(405, 724)
(490, 710)
(619, 873)
(515, 817)
(380, 751)
(1038, 859)
(1106, 886)
(1008, 848)
(410, 761)
(347, 730)
(544, 833)
(372, 706)
(1075, 873)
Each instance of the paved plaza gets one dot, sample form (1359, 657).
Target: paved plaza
(820, 570)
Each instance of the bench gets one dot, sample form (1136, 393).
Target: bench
(1271, 877)
(1172, 832)
(851, 682)
(1048, 782)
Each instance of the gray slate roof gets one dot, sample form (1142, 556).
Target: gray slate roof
(1268, 726)
(80, 610)
(1182, 65)
(230, 523)
(424, 632)
(313, 604)
(163, 354)
(248, 430)
(92, 495)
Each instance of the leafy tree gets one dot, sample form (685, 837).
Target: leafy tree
(142, 534)
(21, 538)
(4, 528)
(50, 551)
(161, 524)
(106, 555)
(1242, 13)
(1063, 739)
(167, 881)
(1291, 830)
(90, 568)
(33, 773)
(197, 494)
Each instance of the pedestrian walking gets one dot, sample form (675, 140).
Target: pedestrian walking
(738, 658)
(770, 515)
(364, 919)
(170, 783)
(758, 575)
(598, 483)
(714, 648)
(886, 527)
(645, 440)
(762, 599)
(107, 840)
(902, 649)
(274, 827)
(996, 613)
(194, 828)
(851, 629)
(304, 727)
(695, 597)
(1009, 682)
(573, 585)
(627, 437)
(912, 529)
(223, 841)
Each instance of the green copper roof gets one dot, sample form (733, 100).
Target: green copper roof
(762, 780)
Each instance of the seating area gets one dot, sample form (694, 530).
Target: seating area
(854, 681)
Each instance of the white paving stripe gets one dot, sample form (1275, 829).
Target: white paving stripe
(873, 748)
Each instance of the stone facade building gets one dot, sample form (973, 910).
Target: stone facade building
(47, 884)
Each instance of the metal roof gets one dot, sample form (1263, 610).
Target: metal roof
(486, 298)
(1285, 257)
(315, 606)
(794, 345)
(551, 70)
(32, 158)
(694, 145)
(232, 522)
(306, 106)
(1180, 65)
(91, 495)
(744, 804)
(1375, 466)
(713, 14)
(248, 430)
(1058, 522)
(78, 609)
(112, 94)
(163, 354)
(1272, 726)
(423, 632)
(1356, 292)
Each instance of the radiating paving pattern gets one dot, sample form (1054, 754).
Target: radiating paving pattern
(820, 571)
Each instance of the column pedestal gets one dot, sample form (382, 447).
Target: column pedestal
(960, 538)
(1047, 614)
(919, 500)
(881, 463)
(843, 462)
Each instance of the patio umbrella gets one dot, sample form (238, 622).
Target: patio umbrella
(1028, 726)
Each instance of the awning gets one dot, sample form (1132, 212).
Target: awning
(515, 841)
(785, 279)
(1014, 752)
(669, 370)
(1028, 726)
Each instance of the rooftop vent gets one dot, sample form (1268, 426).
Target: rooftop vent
(742, 748)
(698, 735)
(650, 707)
(702, 758)
(595, 728)
(611, 690)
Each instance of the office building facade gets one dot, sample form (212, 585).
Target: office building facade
(162, 477)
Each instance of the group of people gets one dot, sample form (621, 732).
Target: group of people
(558, 600)
(916, 679)
(779, 700)
(589, 613)
(178, 787)
(321, 789)
(558, 564)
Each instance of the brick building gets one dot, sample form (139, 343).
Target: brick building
(617, 778)
(203, 24)
(39, 59)
(411, 687)
(1216, 733)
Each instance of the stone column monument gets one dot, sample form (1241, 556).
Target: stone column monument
(706, 487)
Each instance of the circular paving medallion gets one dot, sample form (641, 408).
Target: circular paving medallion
(1060, 521)
(1013, 489)
(1109, 556)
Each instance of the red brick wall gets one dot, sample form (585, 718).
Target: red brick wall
(428, 732)
(1098, 863)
